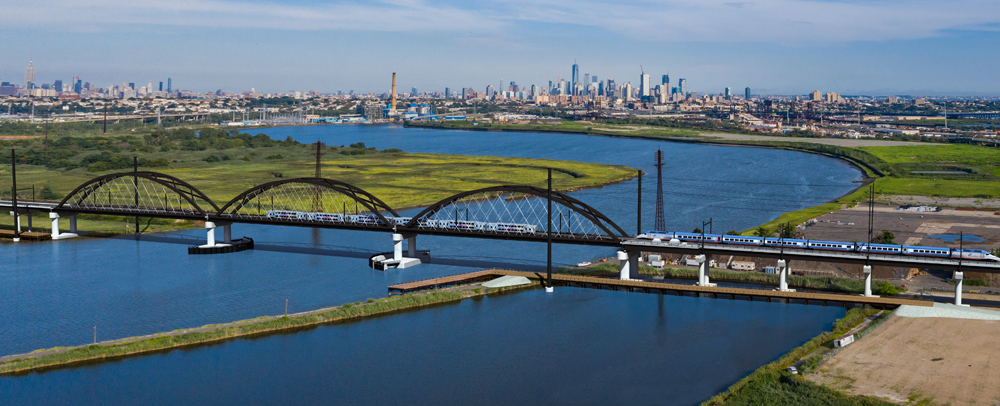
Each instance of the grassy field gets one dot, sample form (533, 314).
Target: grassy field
(223, 171)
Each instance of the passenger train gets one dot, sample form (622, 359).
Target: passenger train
(973, 254)
(371, 219)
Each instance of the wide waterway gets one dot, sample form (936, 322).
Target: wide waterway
(55, 293)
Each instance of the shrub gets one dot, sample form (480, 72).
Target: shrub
(275, 156)
(212, 159)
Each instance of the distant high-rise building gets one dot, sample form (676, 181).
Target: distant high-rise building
(447, 93)
(601, 91)
(464, 92)
(413, 92)
(170, 85)
(77, 85)
(666, 81)
(593, 79)
(131, 85)
(729, 93)
(576, 76)
(612, 89)
(161, 86)
(490, 91)
(682, 84)
(644, 85)
(586, 80)
(58, 85)
(816, 95)
(534, 91)
(29, 75)
(747, 93)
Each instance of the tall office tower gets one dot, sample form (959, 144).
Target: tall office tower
(131, 85)
(600, 89)
(77, 86)
(551, 88)
(627, 91)
(586, 80)
(170, 85)
(58, 85)
(534, 91)
(161, 86)
(464, 92)
(413, 92)
(29, 75)
(612, 90)
(747, 93)
(149, 87)
(682, 84)
(644, 85)
(447, 93)
(593, 79)
(490, 91)
(514, 88)
(666, 81)
(729, 93)
(576, 76)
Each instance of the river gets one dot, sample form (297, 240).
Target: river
(55, 293)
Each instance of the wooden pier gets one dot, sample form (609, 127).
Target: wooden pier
(27, 235)
(823, 299)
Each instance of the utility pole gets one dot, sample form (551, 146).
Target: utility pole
(105, 119)
(548, 195)
(13, 195)
(638, 220)
(660, 223)
(135, 187)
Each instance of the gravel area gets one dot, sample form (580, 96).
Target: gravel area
(948, 311)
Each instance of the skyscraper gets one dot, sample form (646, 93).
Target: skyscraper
(682, 84)
(644, 85)
(170, 84)
(729, 93)
(586, 80)
(29, 75)
(666, 81)
(58, 85)
(747, 93)
(77, 85)
(447, 93)
(576, 76)
(161, 86)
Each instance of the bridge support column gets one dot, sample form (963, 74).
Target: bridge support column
(783, 270)
(55, 224)
(72, 224)
(227, 233)
(210, 227)
(703, 263)
(629, 265)
(397, 247)
(868, 281)
(958, 289)
(411, 246)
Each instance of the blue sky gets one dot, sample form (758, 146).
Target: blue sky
(774, 46)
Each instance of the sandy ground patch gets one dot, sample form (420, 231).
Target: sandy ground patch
(953, 361)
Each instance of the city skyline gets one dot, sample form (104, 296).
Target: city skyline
(776, 46)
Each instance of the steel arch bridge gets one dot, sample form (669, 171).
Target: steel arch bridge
(512, 212)
(147, 194)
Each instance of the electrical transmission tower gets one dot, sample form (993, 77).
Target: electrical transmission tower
(660, 224)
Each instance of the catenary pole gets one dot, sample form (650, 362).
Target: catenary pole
(548, 194)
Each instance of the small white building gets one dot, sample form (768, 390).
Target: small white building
(743, 265)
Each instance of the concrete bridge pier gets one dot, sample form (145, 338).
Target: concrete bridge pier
(17, 224)
(629, 265)
(411, 246)
(783, 270)
(56, 234)
(868, 281)
(210, 227)
(703, 263)
(411, 258)
(958, 289)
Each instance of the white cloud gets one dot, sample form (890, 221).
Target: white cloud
(770, 21)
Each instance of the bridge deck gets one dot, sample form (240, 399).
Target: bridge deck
(662, 288)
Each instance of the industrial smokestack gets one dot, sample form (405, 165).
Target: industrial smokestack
(392, 107)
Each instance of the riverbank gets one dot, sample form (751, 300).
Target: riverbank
(773, 385)
(116, 349)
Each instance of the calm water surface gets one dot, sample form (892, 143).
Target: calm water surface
(576, 346)
(53, 294)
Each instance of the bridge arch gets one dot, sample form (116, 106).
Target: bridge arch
(519, 205)
(308, 195)
(146, 193)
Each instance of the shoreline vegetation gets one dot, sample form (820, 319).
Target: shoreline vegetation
(53, 358)
(224, 163)
(773, 385)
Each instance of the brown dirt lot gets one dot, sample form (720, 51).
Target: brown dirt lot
(953, 361)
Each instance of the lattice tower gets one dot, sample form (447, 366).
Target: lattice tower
(660, 224)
